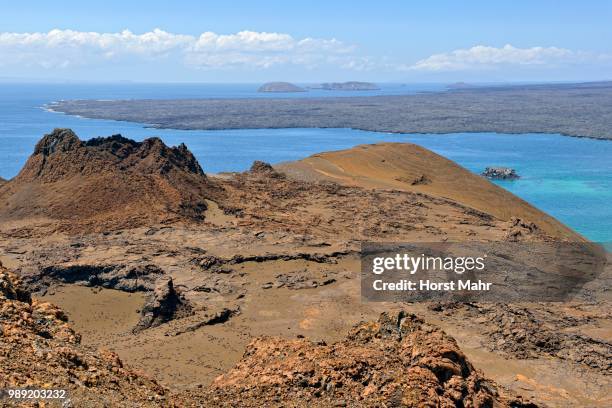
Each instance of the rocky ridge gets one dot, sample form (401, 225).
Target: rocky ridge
(39, 349)
(112, 182)
(397, 361)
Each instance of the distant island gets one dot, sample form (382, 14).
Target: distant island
(460, 85)
(545, 108)
(346, 86)
(280, 87)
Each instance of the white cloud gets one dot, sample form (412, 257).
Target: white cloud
(486, 57)
(71, 50)
(249, 48)
(64, 48)
(244, 41)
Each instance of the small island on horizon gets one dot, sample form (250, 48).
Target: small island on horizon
(280, 87)
(460, 85)
(346, 86)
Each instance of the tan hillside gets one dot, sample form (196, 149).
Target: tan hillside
(408, 167)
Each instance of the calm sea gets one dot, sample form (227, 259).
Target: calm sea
(570, 178)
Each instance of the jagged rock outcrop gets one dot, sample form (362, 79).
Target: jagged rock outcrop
(261, 167)
(11, 288)
(521, 229)
(280, 87)
(264, 169)
(521, 333)
(62, 154)
(398, 361)
(163, 305)
(107, 183)
(128, 278)
(39, 350)
(500, 173)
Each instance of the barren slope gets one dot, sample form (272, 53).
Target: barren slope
(408, 167)
(399, 360)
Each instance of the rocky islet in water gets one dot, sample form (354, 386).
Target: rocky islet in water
(500, 173)
(280, 87)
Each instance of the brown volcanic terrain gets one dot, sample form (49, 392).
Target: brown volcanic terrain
(38, 349)
(398, 360)
(408, 167)
(106, 183)
(179, 280)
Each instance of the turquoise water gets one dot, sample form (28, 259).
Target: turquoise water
(23, 121)
(570, 178)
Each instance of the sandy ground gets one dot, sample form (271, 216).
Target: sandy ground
(288, 233)
(192, 360)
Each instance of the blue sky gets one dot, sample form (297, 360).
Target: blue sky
(252, 41)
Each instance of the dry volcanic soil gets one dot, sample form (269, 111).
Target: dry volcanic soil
(131, 277)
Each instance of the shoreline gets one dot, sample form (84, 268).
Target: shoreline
(187, 135)
(49, 108)
(393, 132)
(543, 109)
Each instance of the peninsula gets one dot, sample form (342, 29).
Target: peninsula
(570, 109)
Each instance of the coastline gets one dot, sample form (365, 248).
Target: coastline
(558, 204)
(49, 108)
(509, 110)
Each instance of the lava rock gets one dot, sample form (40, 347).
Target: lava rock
(500, 173)
(163, 305)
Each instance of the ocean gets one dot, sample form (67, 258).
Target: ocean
(569, 178)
